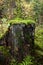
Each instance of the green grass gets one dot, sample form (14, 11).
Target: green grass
(26, 61)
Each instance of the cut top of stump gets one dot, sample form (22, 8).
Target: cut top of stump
(15, 21)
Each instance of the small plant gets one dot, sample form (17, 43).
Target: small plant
(26, 61)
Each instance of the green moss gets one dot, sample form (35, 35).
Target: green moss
(4, 26)
(19, 21)
(26, 61)
(39, 52)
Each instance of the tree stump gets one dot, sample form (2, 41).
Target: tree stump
(21, 40)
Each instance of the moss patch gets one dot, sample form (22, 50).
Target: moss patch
(4, 26)
(20, 21)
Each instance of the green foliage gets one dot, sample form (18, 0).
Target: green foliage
(13, 62)
(22, 11)
(4, 51)
(18, 20)
(26, 61)
(39, 36)
(41, 12)
(39, 39)
(36, 9)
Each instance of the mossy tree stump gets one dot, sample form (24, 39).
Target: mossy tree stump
(20, 40)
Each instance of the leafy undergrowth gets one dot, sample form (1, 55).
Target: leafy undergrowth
(39, 36)
(5, 56)
(26, 61)
(39, 45)
(4, 51)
